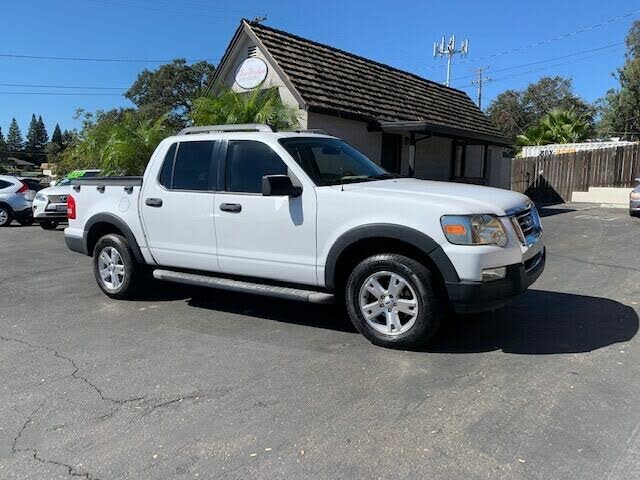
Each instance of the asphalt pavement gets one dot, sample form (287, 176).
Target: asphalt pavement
(196, 383)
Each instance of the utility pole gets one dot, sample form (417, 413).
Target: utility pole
(478, 83)
(440, 50)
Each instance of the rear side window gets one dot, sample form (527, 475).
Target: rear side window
(247, 162)
(5, 184)
(188, 166)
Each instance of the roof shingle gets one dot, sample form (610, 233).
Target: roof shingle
(331, 79)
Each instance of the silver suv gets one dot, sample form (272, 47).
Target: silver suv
(15, 201)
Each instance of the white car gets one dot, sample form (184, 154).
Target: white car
(50, 204)
(308, 217)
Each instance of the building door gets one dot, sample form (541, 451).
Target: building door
(391, 152)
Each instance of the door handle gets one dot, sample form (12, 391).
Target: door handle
(231, 207)
(153, 202)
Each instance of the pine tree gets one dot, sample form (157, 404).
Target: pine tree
(43, 136)
(57, 136)
(67, 138)
(3, 146)
(32, 135)
(15, 143)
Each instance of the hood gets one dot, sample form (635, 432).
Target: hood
(57, 190)
(453, 197)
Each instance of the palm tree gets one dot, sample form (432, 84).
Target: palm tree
(557, 126)
(226, 106)
(119, 142)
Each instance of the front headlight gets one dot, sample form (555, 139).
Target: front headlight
(40, 197)
(474, 230)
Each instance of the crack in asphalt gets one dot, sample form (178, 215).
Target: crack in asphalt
(71, 470)
(75, 374)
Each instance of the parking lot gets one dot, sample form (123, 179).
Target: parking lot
(194, 383)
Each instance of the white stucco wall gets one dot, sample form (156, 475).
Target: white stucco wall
(273, 79)
(354, 132)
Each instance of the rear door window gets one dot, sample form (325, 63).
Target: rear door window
(189, 166)
(4, 184)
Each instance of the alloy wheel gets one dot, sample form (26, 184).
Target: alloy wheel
(111, 268)
(388, 303)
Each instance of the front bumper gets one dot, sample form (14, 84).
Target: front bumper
(45, 210)
(469, 297)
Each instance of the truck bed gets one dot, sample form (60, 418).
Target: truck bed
(122, 180)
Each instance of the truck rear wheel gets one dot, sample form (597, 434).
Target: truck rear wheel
(392, 301)
(114, 267)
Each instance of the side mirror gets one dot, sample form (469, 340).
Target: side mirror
(279, 185)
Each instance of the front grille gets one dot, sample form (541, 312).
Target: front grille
(57, 198)
(527, 224)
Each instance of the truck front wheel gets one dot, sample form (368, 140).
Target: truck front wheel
(114, 267)
(392, 301)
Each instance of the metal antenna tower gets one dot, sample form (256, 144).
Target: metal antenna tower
(441, 49)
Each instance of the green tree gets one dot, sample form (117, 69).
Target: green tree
(15, 142)
(257, 106)
(32, 135)
(170, 89)
(56, 137)
(620, 108)
(558, 126)
(118, 142)
(3, 147)
(514, 111)
(68, 138)
(43, 136)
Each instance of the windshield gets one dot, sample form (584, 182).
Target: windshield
(76, 174)
(329, 161)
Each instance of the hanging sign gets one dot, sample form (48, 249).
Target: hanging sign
(251, 73)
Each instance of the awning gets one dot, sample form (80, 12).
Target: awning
(440, 130)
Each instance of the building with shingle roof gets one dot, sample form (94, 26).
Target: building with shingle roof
(408, 124)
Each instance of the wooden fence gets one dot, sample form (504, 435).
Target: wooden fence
(553, 178)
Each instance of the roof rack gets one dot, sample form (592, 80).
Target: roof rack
(243, 127)
(311, 130)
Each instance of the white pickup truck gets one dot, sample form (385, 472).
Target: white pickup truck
(308, 217)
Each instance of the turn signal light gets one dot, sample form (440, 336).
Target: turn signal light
(455, 229)
(71, 208)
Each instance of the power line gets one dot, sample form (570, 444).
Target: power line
(62, 93)
(552, 39)
(547, 60)
(91, 59)
(506, 77)
(32, 85)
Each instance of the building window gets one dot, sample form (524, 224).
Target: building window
(469, 162)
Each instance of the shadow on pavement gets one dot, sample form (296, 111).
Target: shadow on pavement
(541, 322)
(297, 313)
(550, 211)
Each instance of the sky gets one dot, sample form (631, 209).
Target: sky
(517, 40)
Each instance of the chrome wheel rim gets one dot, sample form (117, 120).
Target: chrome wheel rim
(388, 303)
(111, 268)
(4, 216)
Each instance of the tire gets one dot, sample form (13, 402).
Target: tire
(49, 224)
(6, 216)
(115, 284)
(393, 323)
(27, 221)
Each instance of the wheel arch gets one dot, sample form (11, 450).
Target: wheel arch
(363, 241)
(104, 224)
(6, 204)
